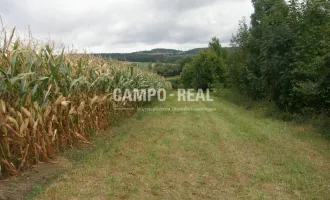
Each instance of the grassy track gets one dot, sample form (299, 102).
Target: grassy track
(228, 154)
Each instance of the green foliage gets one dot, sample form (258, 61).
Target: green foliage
(208, 70)
(185, 60)
(188, 75)
(167, 70)
(284, 55)
(27, 74)
(214, 45)
(205, 70)
(175, 82)
(150, 66)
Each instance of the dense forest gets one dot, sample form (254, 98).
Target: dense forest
(154, 55)
(170, 69)
(141, 57)
(283, 56)
(167, 69)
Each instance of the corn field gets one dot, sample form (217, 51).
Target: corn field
(48, 101)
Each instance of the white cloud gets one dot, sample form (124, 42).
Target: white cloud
(127, 25)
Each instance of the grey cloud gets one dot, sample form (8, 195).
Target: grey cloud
(6, 6)
(126, 22)
(181, 5)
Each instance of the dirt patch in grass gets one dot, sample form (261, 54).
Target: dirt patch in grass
(16, 188)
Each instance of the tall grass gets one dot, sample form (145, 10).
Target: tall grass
(264, 108)
(48, 100)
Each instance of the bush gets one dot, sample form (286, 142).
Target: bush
(207, 69)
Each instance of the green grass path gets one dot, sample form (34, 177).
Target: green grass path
(227, 154)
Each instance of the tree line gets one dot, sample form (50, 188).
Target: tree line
(166, 69)
(141, 57)
(283, 55)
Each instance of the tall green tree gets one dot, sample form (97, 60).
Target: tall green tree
(284, 54)
(207, 69)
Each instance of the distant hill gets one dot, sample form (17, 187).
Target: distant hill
(154, 55)
(195, 51)
(162, 51)
(172, 51)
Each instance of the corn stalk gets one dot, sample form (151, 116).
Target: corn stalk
(49, 101)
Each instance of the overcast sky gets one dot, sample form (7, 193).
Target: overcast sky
(126, 25)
